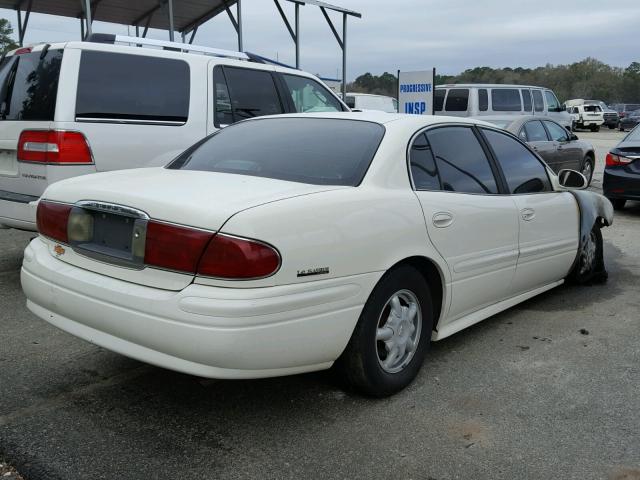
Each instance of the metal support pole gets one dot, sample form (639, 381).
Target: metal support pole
(344, 56)
(170, 9)
(137, 31)
(87, 13)
(193, 35)
(239, 15)
(19, 25)
(297, 39)
(82, 28)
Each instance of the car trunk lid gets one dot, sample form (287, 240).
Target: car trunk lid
(117, 208)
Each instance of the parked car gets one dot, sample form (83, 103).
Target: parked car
(629, 121)
(611, 117)
(69, 109)
(286, 244)
(585, 116)
(477, 100)
(559, 148)
(621, 181)
(366, 101)
(624, 109)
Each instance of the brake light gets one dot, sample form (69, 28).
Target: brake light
(173, 247)
(54, 146)
(22, 51)
(238, 258)
(612, 160)
(52, 219)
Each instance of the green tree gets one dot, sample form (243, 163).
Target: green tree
(6, 41)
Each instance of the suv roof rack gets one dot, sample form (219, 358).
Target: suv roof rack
(175, 46)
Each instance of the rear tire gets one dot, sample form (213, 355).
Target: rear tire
(590, 265)
(611, 127)
(595, 128)
(388, 345)
(587, 168)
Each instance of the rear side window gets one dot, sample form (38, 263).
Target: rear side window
(423, 166)
(311, 150)
(461, 161)
(309, 96)
(221, 99)
(535, 132)
(30, 85)
(506, 100)
(483, 100)
(538, 103)
(526, 100)
(523, 171)
(457, 100)
(253, 93)
(135, 88)
(438, 99)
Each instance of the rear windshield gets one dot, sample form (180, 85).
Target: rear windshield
(592, 108)
(308, 150)
(29, 85)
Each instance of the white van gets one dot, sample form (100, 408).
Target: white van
(368, 101)
(480, 99)
(74, 108)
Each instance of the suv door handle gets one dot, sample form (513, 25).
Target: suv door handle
(528, 214)
(442, 219)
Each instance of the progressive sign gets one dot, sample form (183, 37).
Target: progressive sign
(415, 92)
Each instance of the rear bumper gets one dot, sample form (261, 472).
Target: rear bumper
(619, 183)
(202, 330)
(18, 210)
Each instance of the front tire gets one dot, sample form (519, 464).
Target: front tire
(388, 345)
(589, 267)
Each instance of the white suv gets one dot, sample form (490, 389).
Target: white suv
(69, 109)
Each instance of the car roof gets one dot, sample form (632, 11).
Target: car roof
(383, 118)
(358, 94)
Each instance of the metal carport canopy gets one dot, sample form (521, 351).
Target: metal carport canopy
(187, 14)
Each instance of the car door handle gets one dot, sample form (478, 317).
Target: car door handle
(442, 219)
(528, 214)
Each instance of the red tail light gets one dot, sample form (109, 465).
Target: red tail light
(54, 146)
(238, 258)
(173, 247)
(52, 218)
(22, 51)
(612, 160)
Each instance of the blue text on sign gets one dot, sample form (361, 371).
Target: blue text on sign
(415, 87)
(416, 108)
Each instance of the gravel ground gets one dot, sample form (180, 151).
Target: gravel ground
(545, 390)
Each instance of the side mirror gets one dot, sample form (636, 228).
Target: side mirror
(572, 179)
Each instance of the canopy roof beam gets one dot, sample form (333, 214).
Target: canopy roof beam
(342, 41)
(295, 34)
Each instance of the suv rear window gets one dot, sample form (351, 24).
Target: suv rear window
(311, 150)
(506, 100)
(29, 85)
(135, 88)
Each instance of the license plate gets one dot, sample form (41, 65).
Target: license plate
(8, 162)
(108, 237)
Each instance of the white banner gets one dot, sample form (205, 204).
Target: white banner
(415, 92)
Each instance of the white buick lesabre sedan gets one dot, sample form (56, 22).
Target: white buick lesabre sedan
(286, 244)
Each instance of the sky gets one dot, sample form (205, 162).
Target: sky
(451, 35)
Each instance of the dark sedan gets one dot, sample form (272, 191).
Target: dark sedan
(558, 147)
(629, 121)
(621, 180)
